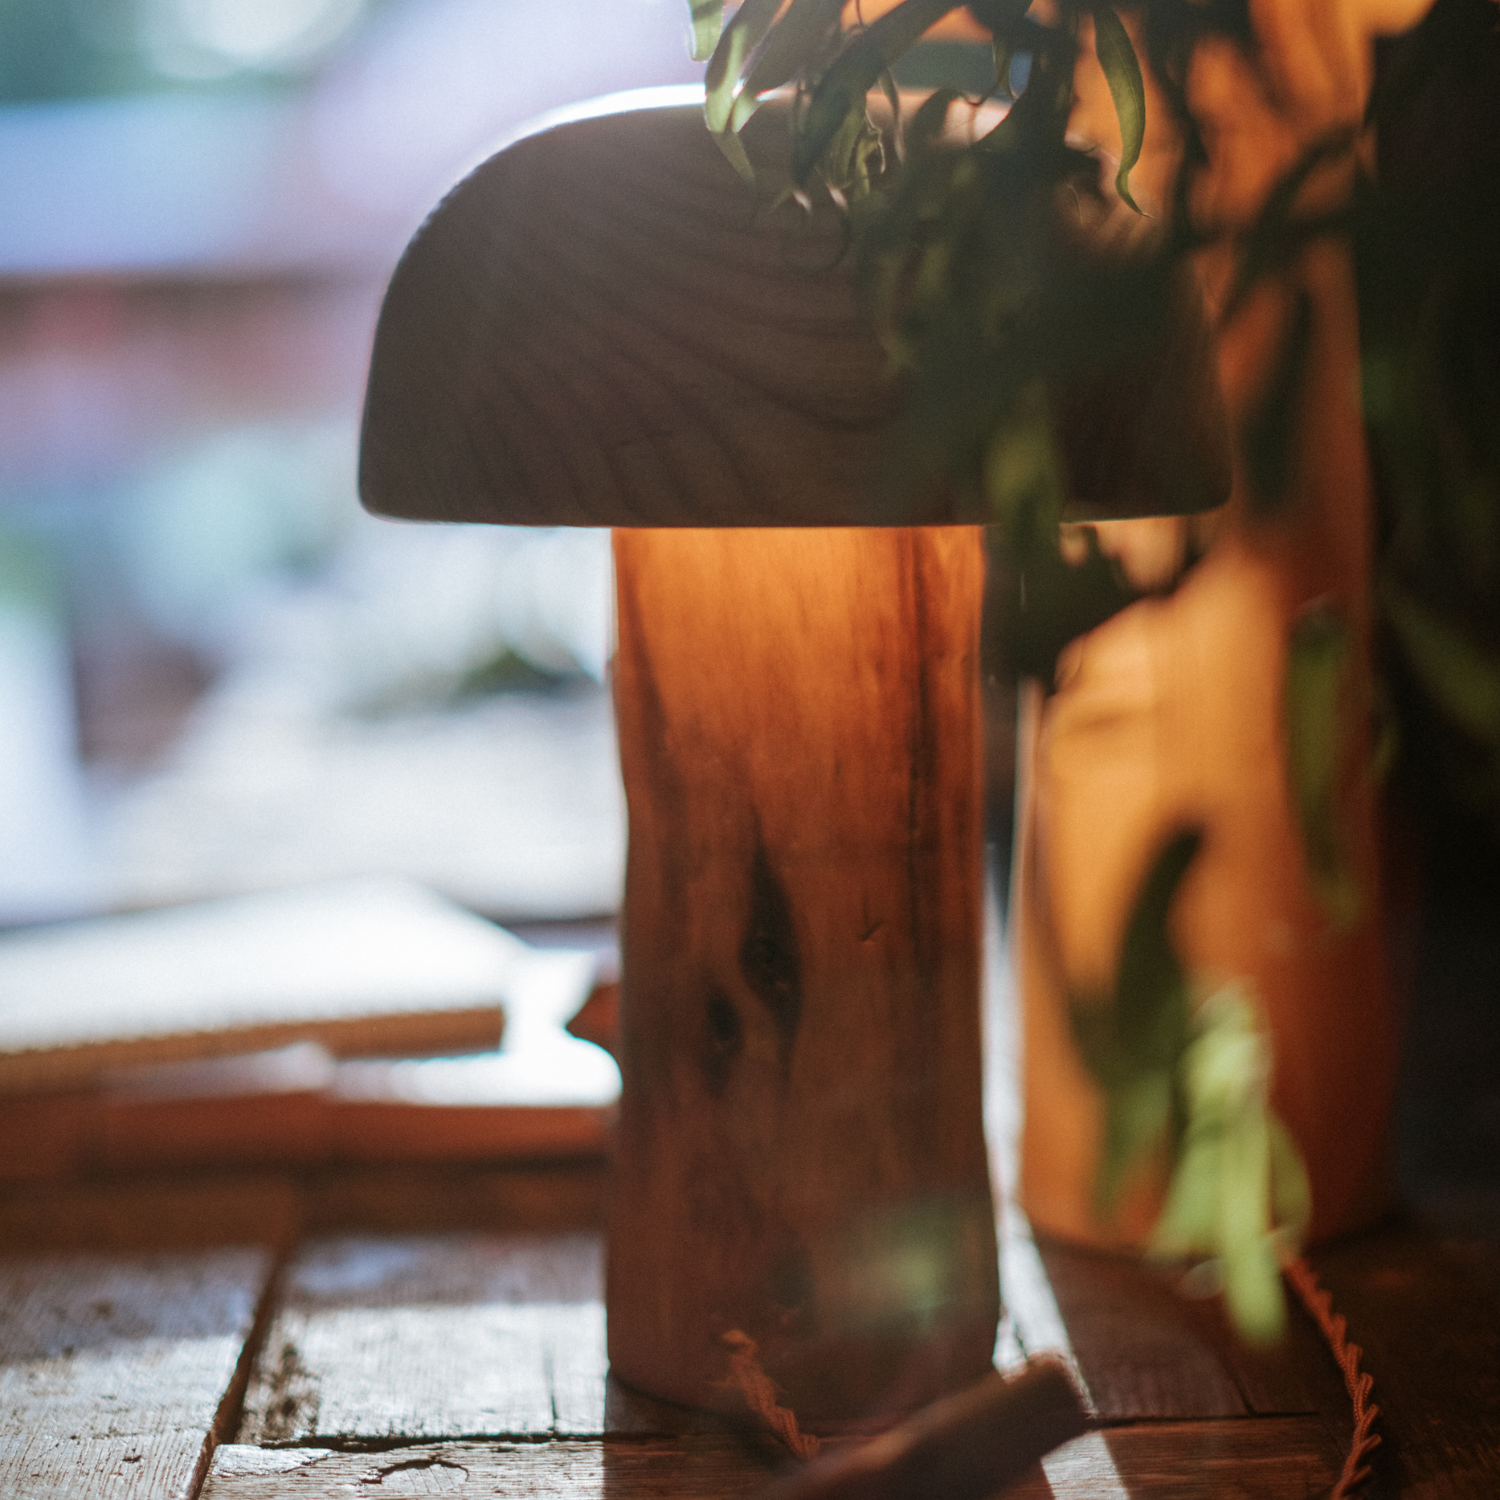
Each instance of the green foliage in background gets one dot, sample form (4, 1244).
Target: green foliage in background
(1186, 1079)
(1238, 1200)
(1005, 273)
(1427, 250)
(1133, 1041)
(1315, 718)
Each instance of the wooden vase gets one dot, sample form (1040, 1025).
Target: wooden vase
(801, 1157)
(1173, 713)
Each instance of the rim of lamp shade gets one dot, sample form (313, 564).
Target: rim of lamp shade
(603, 325)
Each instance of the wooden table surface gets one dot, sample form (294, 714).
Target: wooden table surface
(390, 1335)
(412, 1330)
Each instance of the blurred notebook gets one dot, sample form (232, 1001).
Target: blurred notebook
(358, 967)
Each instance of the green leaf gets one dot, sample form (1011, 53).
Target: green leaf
(1239, 1194)
(1004, 54)
(1133, 1042)
(1189, 1218)
(926, 126)
(746, 28)
(1151, 991)
(857, 69)
(734, 153)
(1291, 1192)
(1021, 469)
(1318, 662)
(1122, 70)
(1463, 679)
(1137, 1122)
(1247, 1250)
(795, 42)
(1271, 426)
(1278, 234)
(707, 18)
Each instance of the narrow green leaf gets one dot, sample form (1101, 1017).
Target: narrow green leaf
(926, 126)
(1252, 1276)
(1152, 987)
(1291, 1192)
(1271, 426)
(1133, 1044)
(1239, 1194)
(1317, 666)
(1137, 1122)
(1463, 679)
(893, 99)
(1004, 54)
(707, 18)
(1189, 1218)
(1122, 71)
(795, 41)
(734, 153)
(855, 72)
(745, 31)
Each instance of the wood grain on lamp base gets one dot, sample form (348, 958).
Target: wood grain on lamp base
(800, 1154)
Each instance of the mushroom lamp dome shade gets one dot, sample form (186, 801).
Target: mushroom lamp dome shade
(598, 328)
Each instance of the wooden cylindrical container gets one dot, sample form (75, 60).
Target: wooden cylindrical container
(1174, 713)
(801, 1156)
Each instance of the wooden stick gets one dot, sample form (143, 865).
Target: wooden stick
(964, 1447)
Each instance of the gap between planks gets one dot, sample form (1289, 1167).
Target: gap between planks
(119, 1372)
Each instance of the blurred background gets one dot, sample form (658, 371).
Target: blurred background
(219, 674)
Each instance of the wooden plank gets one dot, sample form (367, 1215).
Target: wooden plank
(1298, 1375)
(1259, 1459)
(262, 1109)
(367, 966)
(151, 1213)
(1264, 1458)
(117, 1372)
(51, 1135)
(224, 1208)
(1428, 1320)
(705, 1468)
(539, 1197)
(1141, 1348)
(382, 1339)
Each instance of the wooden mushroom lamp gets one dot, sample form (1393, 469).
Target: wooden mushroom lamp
(598, 328)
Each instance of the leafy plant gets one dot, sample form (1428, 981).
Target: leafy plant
(1186, 1076)
(1133, 1040)
(1239, 1195)
(1010, 274)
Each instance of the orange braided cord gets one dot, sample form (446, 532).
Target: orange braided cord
(755, 1386)
(1358, 1383)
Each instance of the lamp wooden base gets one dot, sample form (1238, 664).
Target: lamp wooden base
(801, 1155)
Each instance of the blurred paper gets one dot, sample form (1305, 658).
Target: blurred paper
(359, 966)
